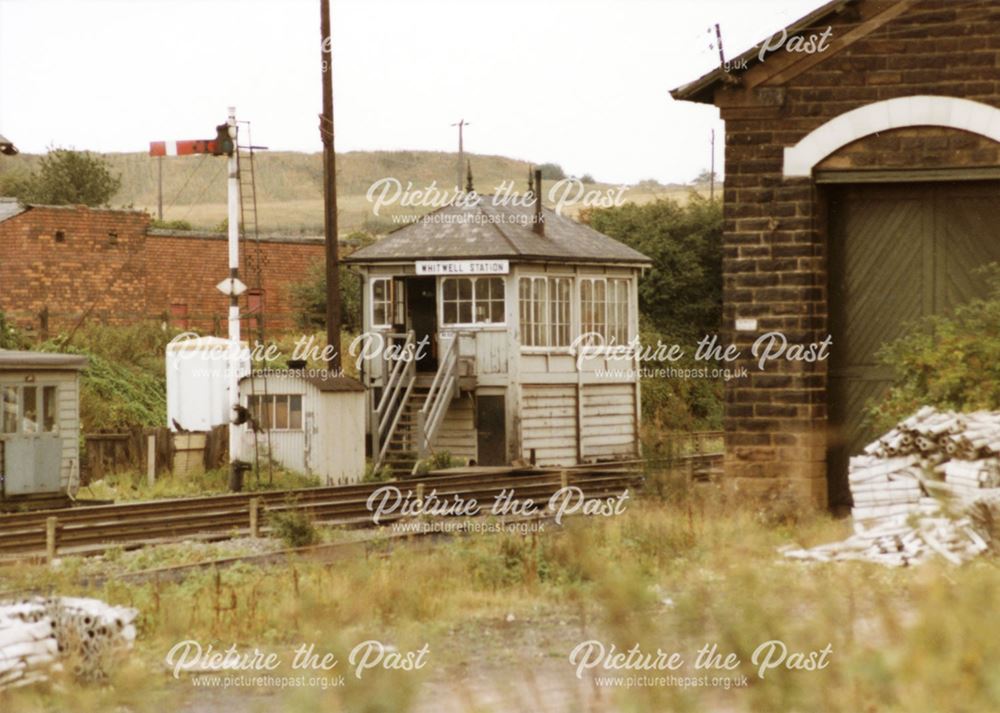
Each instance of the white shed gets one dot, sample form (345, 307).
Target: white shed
(198, 383)
(39, 422)
(309, 421)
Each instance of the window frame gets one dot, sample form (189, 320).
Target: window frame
(549, 305)
(40, 390)
(267, 417)
(609, 304)
(395, 302)
(473, 302)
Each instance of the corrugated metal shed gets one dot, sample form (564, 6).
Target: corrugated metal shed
(488, 231)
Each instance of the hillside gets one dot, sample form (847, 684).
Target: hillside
(289, 185)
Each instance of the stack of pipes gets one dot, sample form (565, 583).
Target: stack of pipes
(896, 483)
(41, 635)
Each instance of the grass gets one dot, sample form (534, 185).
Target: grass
(504, 610)
(132, 485)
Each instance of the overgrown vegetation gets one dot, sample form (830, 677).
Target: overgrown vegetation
(702, 570)
(294, 527)
(65, 177)
(124, 384)
(309, 295)
(132, 485)
(951, 361)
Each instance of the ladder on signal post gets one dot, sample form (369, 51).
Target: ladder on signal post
(252, 259)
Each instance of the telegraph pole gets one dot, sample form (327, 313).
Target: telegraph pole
(462, 123)
(330, 193)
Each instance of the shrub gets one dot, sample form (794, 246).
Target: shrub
(293, 527)
(951, 361)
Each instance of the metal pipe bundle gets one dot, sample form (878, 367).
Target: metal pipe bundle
(898, 519)
(41, 635)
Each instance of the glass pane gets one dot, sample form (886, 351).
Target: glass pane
(450, 312)
(496, 288)
(269, 413)
(295, 412)
(9, 405)
(29, 396)
(378, 290)
(450, 289)
(465, 312)
(464, 288)
(379, 316)
(49, 409)
(281, 412)
(496, 313)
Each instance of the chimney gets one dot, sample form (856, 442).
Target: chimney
(539, 226)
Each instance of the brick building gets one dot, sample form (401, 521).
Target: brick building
(861, 185)
(110, 266)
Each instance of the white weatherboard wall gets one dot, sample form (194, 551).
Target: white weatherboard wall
(197, 383)
(331, 443)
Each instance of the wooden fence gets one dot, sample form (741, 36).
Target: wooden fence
(107, 453)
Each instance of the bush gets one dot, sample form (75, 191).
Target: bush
(949, 361)
(309, 295)
(294, 527)
(67, 177)
(682, 294)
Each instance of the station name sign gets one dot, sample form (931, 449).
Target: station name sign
(463, 267)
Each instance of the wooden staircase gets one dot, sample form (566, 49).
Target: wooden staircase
(403, 452)
(412, 407)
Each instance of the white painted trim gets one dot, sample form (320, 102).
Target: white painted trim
(920, 110)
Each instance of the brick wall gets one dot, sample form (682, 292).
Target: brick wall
(107, 266)
(775, 244)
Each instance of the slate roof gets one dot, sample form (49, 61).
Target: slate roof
(500, 232)
(11, 359)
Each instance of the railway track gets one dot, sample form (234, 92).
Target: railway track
(93, 529)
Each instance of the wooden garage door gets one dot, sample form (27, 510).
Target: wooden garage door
(897, 253)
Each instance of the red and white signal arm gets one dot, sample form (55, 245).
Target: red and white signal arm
(181, 148)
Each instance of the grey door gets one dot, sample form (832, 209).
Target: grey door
(32, 447)
(897, 253)
(491, 432)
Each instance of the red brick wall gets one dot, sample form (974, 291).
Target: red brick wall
(109, 268)
(775, 244)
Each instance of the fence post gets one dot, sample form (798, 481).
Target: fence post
(564, 479)
(51, 528)
(151, 459)
(420, 499)
(254, 517)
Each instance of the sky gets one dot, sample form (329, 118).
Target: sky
(582, 83)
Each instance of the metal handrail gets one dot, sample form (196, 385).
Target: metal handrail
(399, 382)
(441, 393)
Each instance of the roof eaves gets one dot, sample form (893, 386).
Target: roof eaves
(702, 89)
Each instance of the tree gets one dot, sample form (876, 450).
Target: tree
(551, 171)
(309, 295)
(681, 295)
(67, 177)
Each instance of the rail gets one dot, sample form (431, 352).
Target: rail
(443, 390)
(93, 529)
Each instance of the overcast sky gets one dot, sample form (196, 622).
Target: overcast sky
(583, 83)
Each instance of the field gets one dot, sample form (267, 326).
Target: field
(289, 185)
(501, 613)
